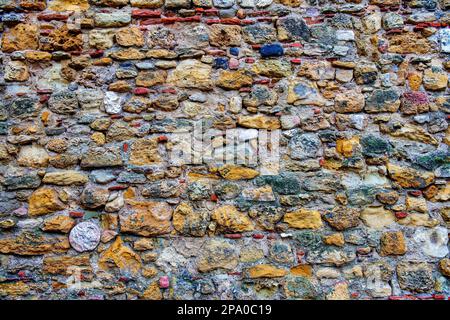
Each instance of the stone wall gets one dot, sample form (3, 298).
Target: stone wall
(94, 95)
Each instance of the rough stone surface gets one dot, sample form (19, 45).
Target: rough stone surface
(224, 149)
(85, 236)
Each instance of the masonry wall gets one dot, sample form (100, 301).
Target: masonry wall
(96, 95)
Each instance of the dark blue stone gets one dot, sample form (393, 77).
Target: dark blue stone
(271, 50)
(234, 51)
(221, 63)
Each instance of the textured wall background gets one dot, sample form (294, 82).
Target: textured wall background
(91, 93)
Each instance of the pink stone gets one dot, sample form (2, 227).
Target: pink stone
(164, 282)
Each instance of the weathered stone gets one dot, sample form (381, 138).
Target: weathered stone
(224, 35)
(63, 39)
(85, 236)
(229, 219)
(409, 131)
(63, 102)
(259, 122)
(232, 172)
(112, 20)
(101, 157)
(408, 42)
(435, 79)
(30, 244)
(433, 242)
(303, 219)
(414, 102)
(101, 39)
(44, 201)
(144, 152)
(65, 178)
(383, 101)
(69, 5)
(415, 276)
(304, 146)
(150, 218)
(444, 267)
(304, 93)
(21, 37)
(342, 218)
(14, 289)
(58, 224)
(272, 68)
(93, 197)
(392, 243)
(188, 222)
(128, 37)
(150, 4)
(16, 71)
(377, 217)
(217, 254)
(33, 156)
(349, 101)
(265, 271)
(118, 255)
(409, 177)
(64, 264)
(191, 74)
(234, 80)
(292, 28)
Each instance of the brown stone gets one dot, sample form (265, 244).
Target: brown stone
(128, 37)
(221, 35)
(335, 239)
(63, 39)
(229, 219)
(408, 42)
(409, 177)
(118, 255)
(259, 121)
(188, 222)
(29, 244)
(43, 201)
(38, 56)
(265, 271)
(234, 80)
(65, 178)
(435, 80)
(144, 152)
(349, 101)
(127, 54)
(342, 218)
(64, 264)
(153, 292)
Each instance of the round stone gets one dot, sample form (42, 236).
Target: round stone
(85, 236)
